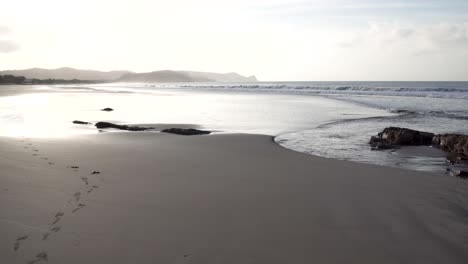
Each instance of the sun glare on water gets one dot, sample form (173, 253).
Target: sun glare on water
(35, 115)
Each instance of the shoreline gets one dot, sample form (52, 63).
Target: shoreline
(124, 115)
(230, 198)
(295, 135)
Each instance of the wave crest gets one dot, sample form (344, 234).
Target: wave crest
(445, 90)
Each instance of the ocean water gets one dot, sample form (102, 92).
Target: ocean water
(329, 119)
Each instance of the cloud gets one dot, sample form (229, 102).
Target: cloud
(414, 39)
(7, 46)
(348, 7)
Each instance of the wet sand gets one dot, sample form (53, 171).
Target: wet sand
(160, 198)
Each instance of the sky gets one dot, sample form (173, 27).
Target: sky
(275, 40)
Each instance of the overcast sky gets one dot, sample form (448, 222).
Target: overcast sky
(272, 39)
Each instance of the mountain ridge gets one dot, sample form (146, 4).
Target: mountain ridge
(67, 73)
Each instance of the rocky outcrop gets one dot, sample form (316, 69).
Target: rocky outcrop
(379, 143)
(81, 122)
(392, 137)
(101, 125)
(396, 136)
(186, 131)
(454, 143)
(107, 109)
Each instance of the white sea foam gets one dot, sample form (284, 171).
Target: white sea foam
(456, 90)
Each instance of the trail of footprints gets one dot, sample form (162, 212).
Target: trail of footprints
(75, 200)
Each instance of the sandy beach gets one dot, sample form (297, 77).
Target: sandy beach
(228, 198)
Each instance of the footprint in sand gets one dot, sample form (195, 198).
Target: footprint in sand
(92, 188)
(58, 217)
(76, 243)
(40, 257)
(78, 207)
(45, 236)
(85, 180)
(77, 196)
(75, 168)
(17, 243)
(55, 229)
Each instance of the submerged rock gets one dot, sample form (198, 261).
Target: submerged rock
(396, 136)
(378, 143)
(459, 173)
(122, 127)
(81, 122)
(107, 109)
(186, 131)
(454, 143)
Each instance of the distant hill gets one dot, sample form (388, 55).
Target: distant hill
(66, 74)
(127, 76)
(10, 79)
(185, 76)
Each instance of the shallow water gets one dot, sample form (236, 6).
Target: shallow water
(51, 114)
(333, 120)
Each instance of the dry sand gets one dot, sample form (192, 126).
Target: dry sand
(163, 198)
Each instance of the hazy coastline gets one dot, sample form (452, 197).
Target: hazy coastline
(67, 75)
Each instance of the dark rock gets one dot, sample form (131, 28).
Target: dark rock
(454, 143)
(460, 173)
(390, 137)
(108, 125)
(463, 174)
(450, 161)
(375, 140)
(402, 111)
(81, 122)
(379, 144)
(107, 109)
(122, 127)
(397, 136)
(186, 131)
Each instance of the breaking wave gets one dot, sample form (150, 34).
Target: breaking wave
(457, 90)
